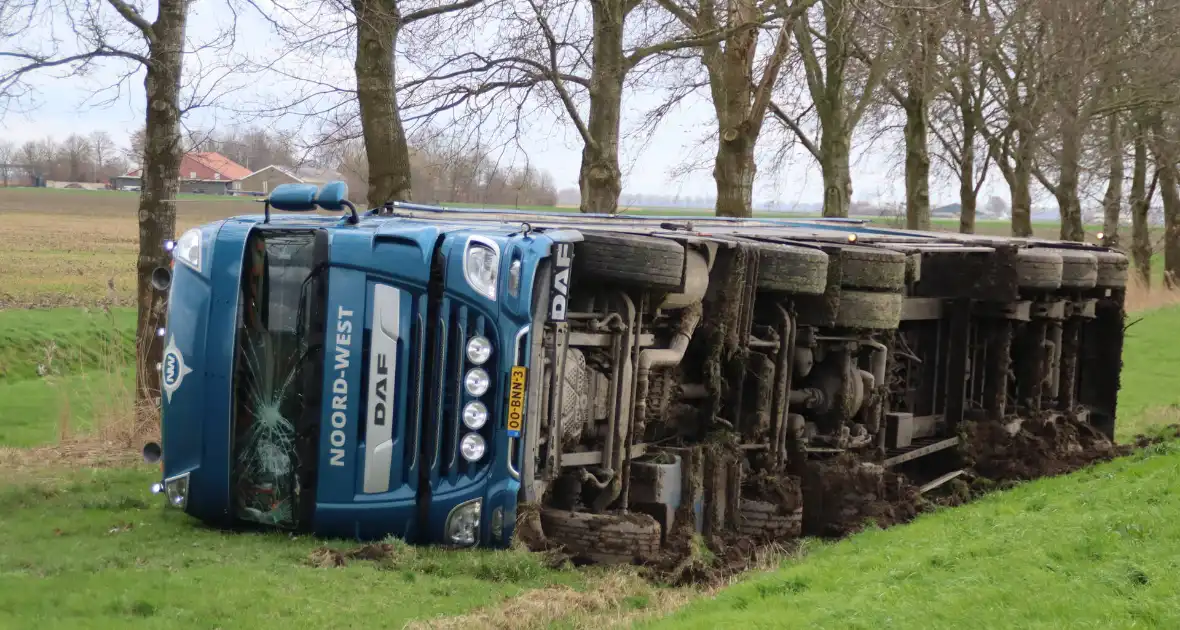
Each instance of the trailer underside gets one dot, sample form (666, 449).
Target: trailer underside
(762, 381)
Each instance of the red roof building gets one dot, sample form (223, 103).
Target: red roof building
(200, 172)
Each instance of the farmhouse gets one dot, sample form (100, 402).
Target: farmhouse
(265, 179)
(204, 172)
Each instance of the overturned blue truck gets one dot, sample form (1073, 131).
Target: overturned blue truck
(608, 383)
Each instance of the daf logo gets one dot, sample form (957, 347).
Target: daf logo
(173, 368)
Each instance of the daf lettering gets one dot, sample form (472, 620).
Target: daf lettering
(559, 295)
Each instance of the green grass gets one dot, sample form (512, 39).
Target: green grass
(1097, 549)
(95, 550)
(1151, 363)
(36, 412)
(37, 342)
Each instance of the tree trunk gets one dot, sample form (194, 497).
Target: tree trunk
(1021, 187)
(734, 171)
(1112, 201)
(386, 148)
(1165, 166)
(1068, 202)
(834, 165)
(1140, 235)
(967, 196)
(600, 179)
(157, 202)
(917, 162)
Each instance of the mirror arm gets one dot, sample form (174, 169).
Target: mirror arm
(353, 219)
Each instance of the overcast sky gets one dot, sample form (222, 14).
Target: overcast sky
(66, 105)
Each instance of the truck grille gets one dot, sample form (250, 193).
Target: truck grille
(456, 324)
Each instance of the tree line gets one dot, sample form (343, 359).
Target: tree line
(90, 158)
(1065, 96)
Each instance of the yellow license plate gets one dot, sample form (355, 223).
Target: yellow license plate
(516, 386)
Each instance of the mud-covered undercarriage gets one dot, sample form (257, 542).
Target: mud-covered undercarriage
(753, 382)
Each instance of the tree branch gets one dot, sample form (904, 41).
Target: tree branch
(422, 14)
(135, 19)
(794, 126)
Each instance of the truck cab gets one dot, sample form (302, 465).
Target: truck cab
(606, 382)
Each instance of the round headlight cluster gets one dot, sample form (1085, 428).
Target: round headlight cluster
(477, 382)
(472, 447)
(475, 415)
(479, 349)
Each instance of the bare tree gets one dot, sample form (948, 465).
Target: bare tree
(115, 30)
(7, 151)
(740, 93)
(842, 75)
(103, 148)
(76, 151)
(379, 23)
(960, 118)
(575, 58)
(1016, 35)
(918, 31)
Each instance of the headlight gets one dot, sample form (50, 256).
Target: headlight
(188, 248)
(475, 415)
(481, 266)
(479, 349)
(463, 523)
(477, 382)
(472, 447)
(176, 489)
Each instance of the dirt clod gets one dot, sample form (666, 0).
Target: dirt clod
(1035, 448)
(327, 557)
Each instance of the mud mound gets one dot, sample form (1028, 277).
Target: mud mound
(1028, 449)
(841, 495)
(712, 562)
(1166, 433)
(327, 557)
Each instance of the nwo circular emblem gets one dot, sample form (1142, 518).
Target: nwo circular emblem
(173, 368)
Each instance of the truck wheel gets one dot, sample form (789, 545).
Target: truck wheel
(1038, 269)
(1079, 269)
(861, 309)
(606, 538)
(644, 261)
(1112, 270)
(870, 268)
(790, 269)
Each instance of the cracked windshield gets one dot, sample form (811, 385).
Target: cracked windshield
(275, 362)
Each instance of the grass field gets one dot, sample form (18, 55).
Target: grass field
(89, 547)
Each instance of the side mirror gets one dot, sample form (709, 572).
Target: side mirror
(152, 452)
(332, 196)
(293, 197)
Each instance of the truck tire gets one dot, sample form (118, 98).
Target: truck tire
(644, 261)
(1079, 269)
(1038, 269)
(870, 268)
(606, 538)
(1113, 268)
(791, 269)
(862, 309)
